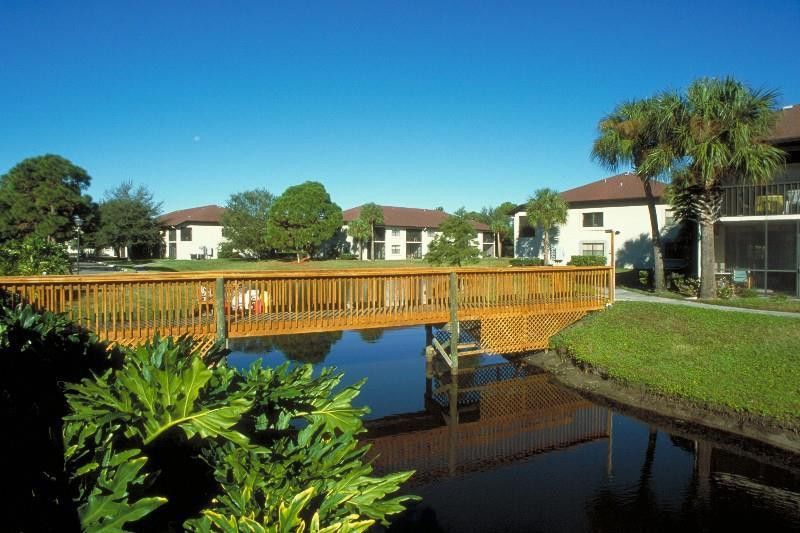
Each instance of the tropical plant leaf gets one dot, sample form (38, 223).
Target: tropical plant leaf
(107, 507)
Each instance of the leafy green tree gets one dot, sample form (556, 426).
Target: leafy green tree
(632, 135)
(547, 209)
(33, 256)
(128, 220)
(454, 245)
(372, 215)
(361, 232)
(41, 196)
(302, 218)
(245, 222)
(718, 130)
(266, 449)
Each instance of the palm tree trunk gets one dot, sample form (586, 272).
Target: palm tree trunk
(499, 244)
(655, 236)
(546, 242)
(372, 242)
(708, 207)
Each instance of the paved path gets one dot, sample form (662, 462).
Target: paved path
(632, 296)
(88, 268)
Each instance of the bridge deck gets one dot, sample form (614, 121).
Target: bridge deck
(126, 308)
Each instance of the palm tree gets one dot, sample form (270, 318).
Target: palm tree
(360, 232)
(719, 129)
(547, 209)
(371, 214)
(630, 136)
(498, 220)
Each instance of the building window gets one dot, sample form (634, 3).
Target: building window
(413, 235)
(593, 220)
(186, 234)
(414, 250)
(395, 249)
(593, 248)
(172, 235)
(669, 218)
(380, 234)
(525, 228)
(395, 232)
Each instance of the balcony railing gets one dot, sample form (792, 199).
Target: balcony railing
(759, 200)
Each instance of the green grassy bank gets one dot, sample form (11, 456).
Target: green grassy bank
(722, 360)
(175, 265)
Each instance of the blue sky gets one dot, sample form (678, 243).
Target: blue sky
(402, 103)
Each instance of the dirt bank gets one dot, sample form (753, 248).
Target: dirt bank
(675, 415)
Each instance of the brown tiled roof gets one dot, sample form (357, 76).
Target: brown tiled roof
(788, 126)
(617, 188)
(409, 217)
(207, 213)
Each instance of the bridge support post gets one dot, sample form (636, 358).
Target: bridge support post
(219, 309)
(454, 332)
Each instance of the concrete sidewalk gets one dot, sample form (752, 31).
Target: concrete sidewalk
(623, 295)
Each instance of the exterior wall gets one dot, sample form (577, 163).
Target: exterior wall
(399, 240)
(633, 244)
(203, 235)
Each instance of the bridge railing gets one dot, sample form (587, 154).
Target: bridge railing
(134, 306)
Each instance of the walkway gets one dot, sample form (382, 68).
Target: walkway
(623, 295)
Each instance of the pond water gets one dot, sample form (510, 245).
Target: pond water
(502, 447)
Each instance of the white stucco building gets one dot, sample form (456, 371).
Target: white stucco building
(194, 233)
(613, 204)
(406, 233)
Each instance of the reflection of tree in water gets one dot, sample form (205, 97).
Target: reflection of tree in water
(371, 335)
(304, 348)
(635, 508)
(308, 347)
(260, 345)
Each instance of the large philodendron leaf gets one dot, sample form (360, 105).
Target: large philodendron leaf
(107, 507)
(160, 386)
(337, 413)
(289, 520)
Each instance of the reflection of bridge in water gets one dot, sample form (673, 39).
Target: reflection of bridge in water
(482, 416)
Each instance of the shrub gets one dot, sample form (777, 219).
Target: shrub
(724, 288)
(347, 256)
(267, 448)
(587, 260)
(526, 262)
(33, 256)
(746, 292)
(685, 285)
(39, 351)
(645, 279)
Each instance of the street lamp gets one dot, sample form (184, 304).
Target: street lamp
(78, 224)
(613, 284)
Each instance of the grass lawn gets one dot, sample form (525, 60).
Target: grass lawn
(749, 364)
(791, 305)
(174, 265)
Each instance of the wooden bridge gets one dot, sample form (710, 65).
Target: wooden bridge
(507, 310)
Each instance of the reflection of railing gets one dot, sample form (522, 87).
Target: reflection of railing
(124, 308)
(756, 200)
(504, 412)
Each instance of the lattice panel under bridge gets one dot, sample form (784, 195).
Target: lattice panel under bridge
(202, 343)
(515, 333)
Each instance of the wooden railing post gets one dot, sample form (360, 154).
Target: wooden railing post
(219, 309)
(454, 332)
